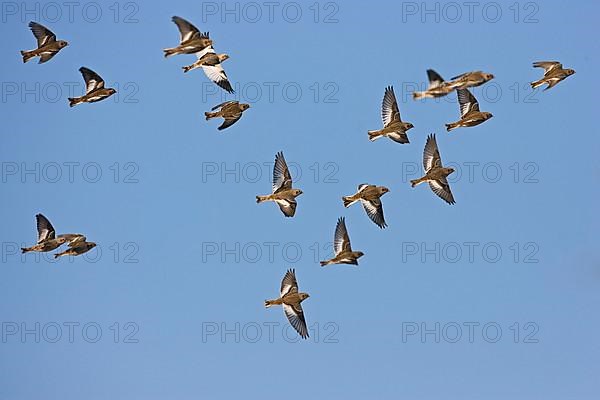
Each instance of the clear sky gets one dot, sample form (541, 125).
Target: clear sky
(505, 284)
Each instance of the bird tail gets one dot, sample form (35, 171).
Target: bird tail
(348, 201)
(186, 68)
(269, 303)
(170, 52)
(260, 199)
(73, 101)
(210, 115)
(418, 95)
(374, 135)
(324, 263)
(451, 126)
(415, 182)
(25, 250)
(27, 55)
(537, 84)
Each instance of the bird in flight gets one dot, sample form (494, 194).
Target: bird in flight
(369, 196)
(393, 127)
(230, 111)
(210, 62)
(77, 248)
(437, 86)
(470, 79)
(95, 90)
(283, 193)
(469, 111)
(47, 239)
(435, 172)
(47, 45)
(553, 73)
(192, 40)
(342, 248)
(290, 298)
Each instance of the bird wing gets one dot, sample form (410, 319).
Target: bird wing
(205, 51)
(467, 102)
(42, 34)
(442, 189)
(217, 74)
(431, 154)
(289, 283)
(92, 80)
(341, 240)
(547, 65)
(229, 121)
(435, 80)
(295, 315)
(44, 228)
(287, 207)
(46, 56)
(186, 29)
(399, 137)
(362, 187)
(223, 104)
(282, 180)
(389, 107)
(374, 210)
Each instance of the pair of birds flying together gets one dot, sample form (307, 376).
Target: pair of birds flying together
(47, 240)
(48, 46)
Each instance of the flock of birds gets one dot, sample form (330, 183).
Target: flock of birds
(193, 41)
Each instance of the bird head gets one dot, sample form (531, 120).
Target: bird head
(91, 245)
(304, 296)
(62, 43)
(487, 115)
(570, 71)
(223, 57)
(409, 126)
(112, 91)
(449, 171)
(488, 76)
(297, 192)
(383, 189)
(244, 106)
(359, 254)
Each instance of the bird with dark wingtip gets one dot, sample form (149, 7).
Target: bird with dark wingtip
(95, 90)
(437, 87)
(47, 239)
(47, 44)
(435, 173)
(553, 73)
(210, 62)
(192, 40)
(469, 111)
(393, 127)
(290, 298)
(283, 193)
(342, 247)
(470, 79)
(370, 198)
(230, 111)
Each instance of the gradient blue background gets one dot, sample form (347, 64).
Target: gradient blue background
(172, 212)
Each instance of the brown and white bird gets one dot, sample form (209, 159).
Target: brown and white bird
(210, 62)
(435, 172)
(342, 248)
(192, 40)
(47, 44)
(95, 90)
(76, 249)
(393, 127)
(370, 198)
(470, 79)
(283, 193)
(290, 298)
(553, 73)
(47, 239)
(230, 111)
(437, 87)
(469, 111)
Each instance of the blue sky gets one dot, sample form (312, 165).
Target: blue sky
(185, 257)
